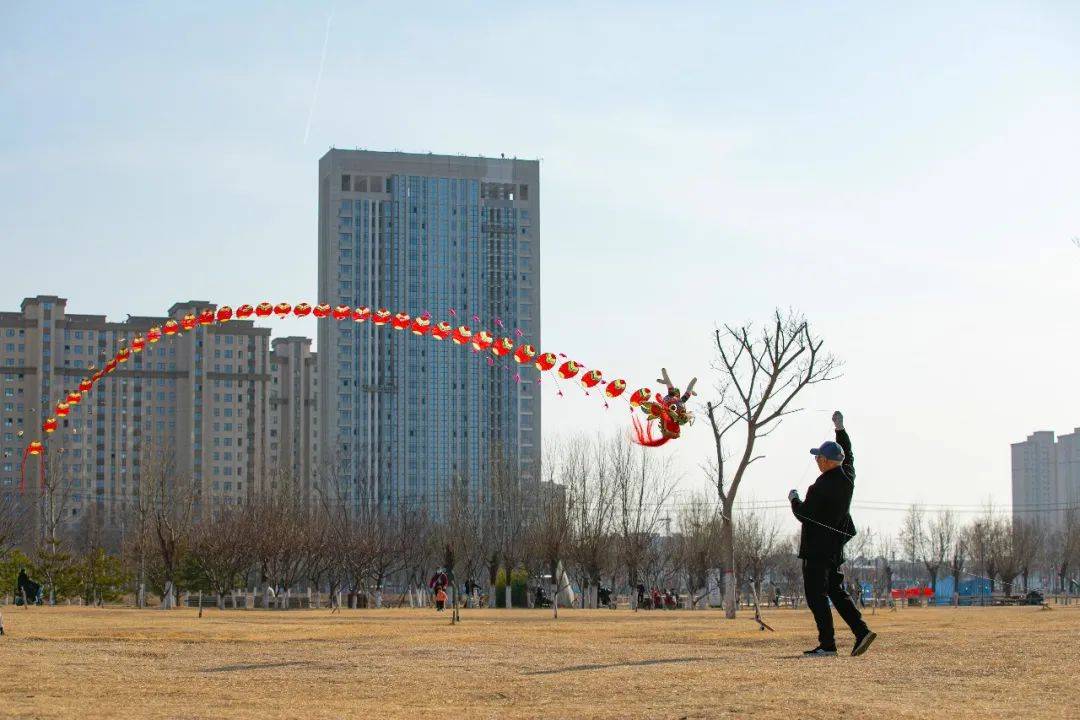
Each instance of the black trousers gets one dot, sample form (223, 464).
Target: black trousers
(823, 582)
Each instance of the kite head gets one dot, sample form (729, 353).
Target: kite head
(302, 309)
(264, 309)
(245, 311)
(361, 314)
(592, 378)
(224, 314)
(401, 321)
(381, 317)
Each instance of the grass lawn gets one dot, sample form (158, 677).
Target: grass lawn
(955, 663)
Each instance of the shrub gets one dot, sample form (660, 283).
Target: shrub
(519, 587)
(500, 588)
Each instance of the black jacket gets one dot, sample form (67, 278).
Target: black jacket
(824, 514)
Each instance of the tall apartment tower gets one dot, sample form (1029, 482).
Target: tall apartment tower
(294, 421)
(405, 419)
(1046, 477)
(199, 398)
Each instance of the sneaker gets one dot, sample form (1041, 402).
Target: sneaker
(862, 643)
(820, 652)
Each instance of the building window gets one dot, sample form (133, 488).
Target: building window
(345, 184)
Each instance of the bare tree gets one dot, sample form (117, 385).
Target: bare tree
(761, 372)
(757, 540)
(221, 550)
(506, 518)
(958, 558)
(984, 540)
(643, 487)
(1064, 546)
(940, 537)
(417, 545)
(1027, 540)
(465, 530)
(883, 566)
(12, 522)
(590, 489)
(699, 545)
(550, 528)
(913, 538)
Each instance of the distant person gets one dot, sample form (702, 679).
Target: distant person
(640, 594)
(826, 527)
(776, 597)
(655, 597)
(440, 598)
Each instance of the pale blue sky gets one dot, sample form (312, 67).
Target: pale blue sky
(908, 179)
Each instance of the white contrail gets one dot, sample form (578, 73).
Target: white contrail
(318, 78)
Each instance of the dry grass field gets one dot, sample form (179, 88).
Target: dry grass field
(955, 663)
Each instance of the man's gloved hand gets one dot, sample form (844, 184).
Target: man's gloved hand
(793, 496)
(838, 420)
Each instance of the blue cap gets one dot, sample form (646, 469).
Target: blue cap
(830, 451)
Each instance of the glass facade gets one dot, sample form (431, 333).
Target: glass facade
(413, 416)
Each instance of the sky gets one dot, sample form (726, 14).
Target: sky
(907, 179)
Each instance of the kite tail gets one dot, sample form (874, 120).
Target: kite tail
(643, 435)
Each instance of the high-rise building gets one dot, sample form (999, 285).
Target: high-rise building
(198, 398)
(1046, 477)
(294, 422)
(405, 418)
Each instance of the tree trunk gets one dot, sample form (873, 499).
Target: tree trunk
(727, 563)
(168, 600)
